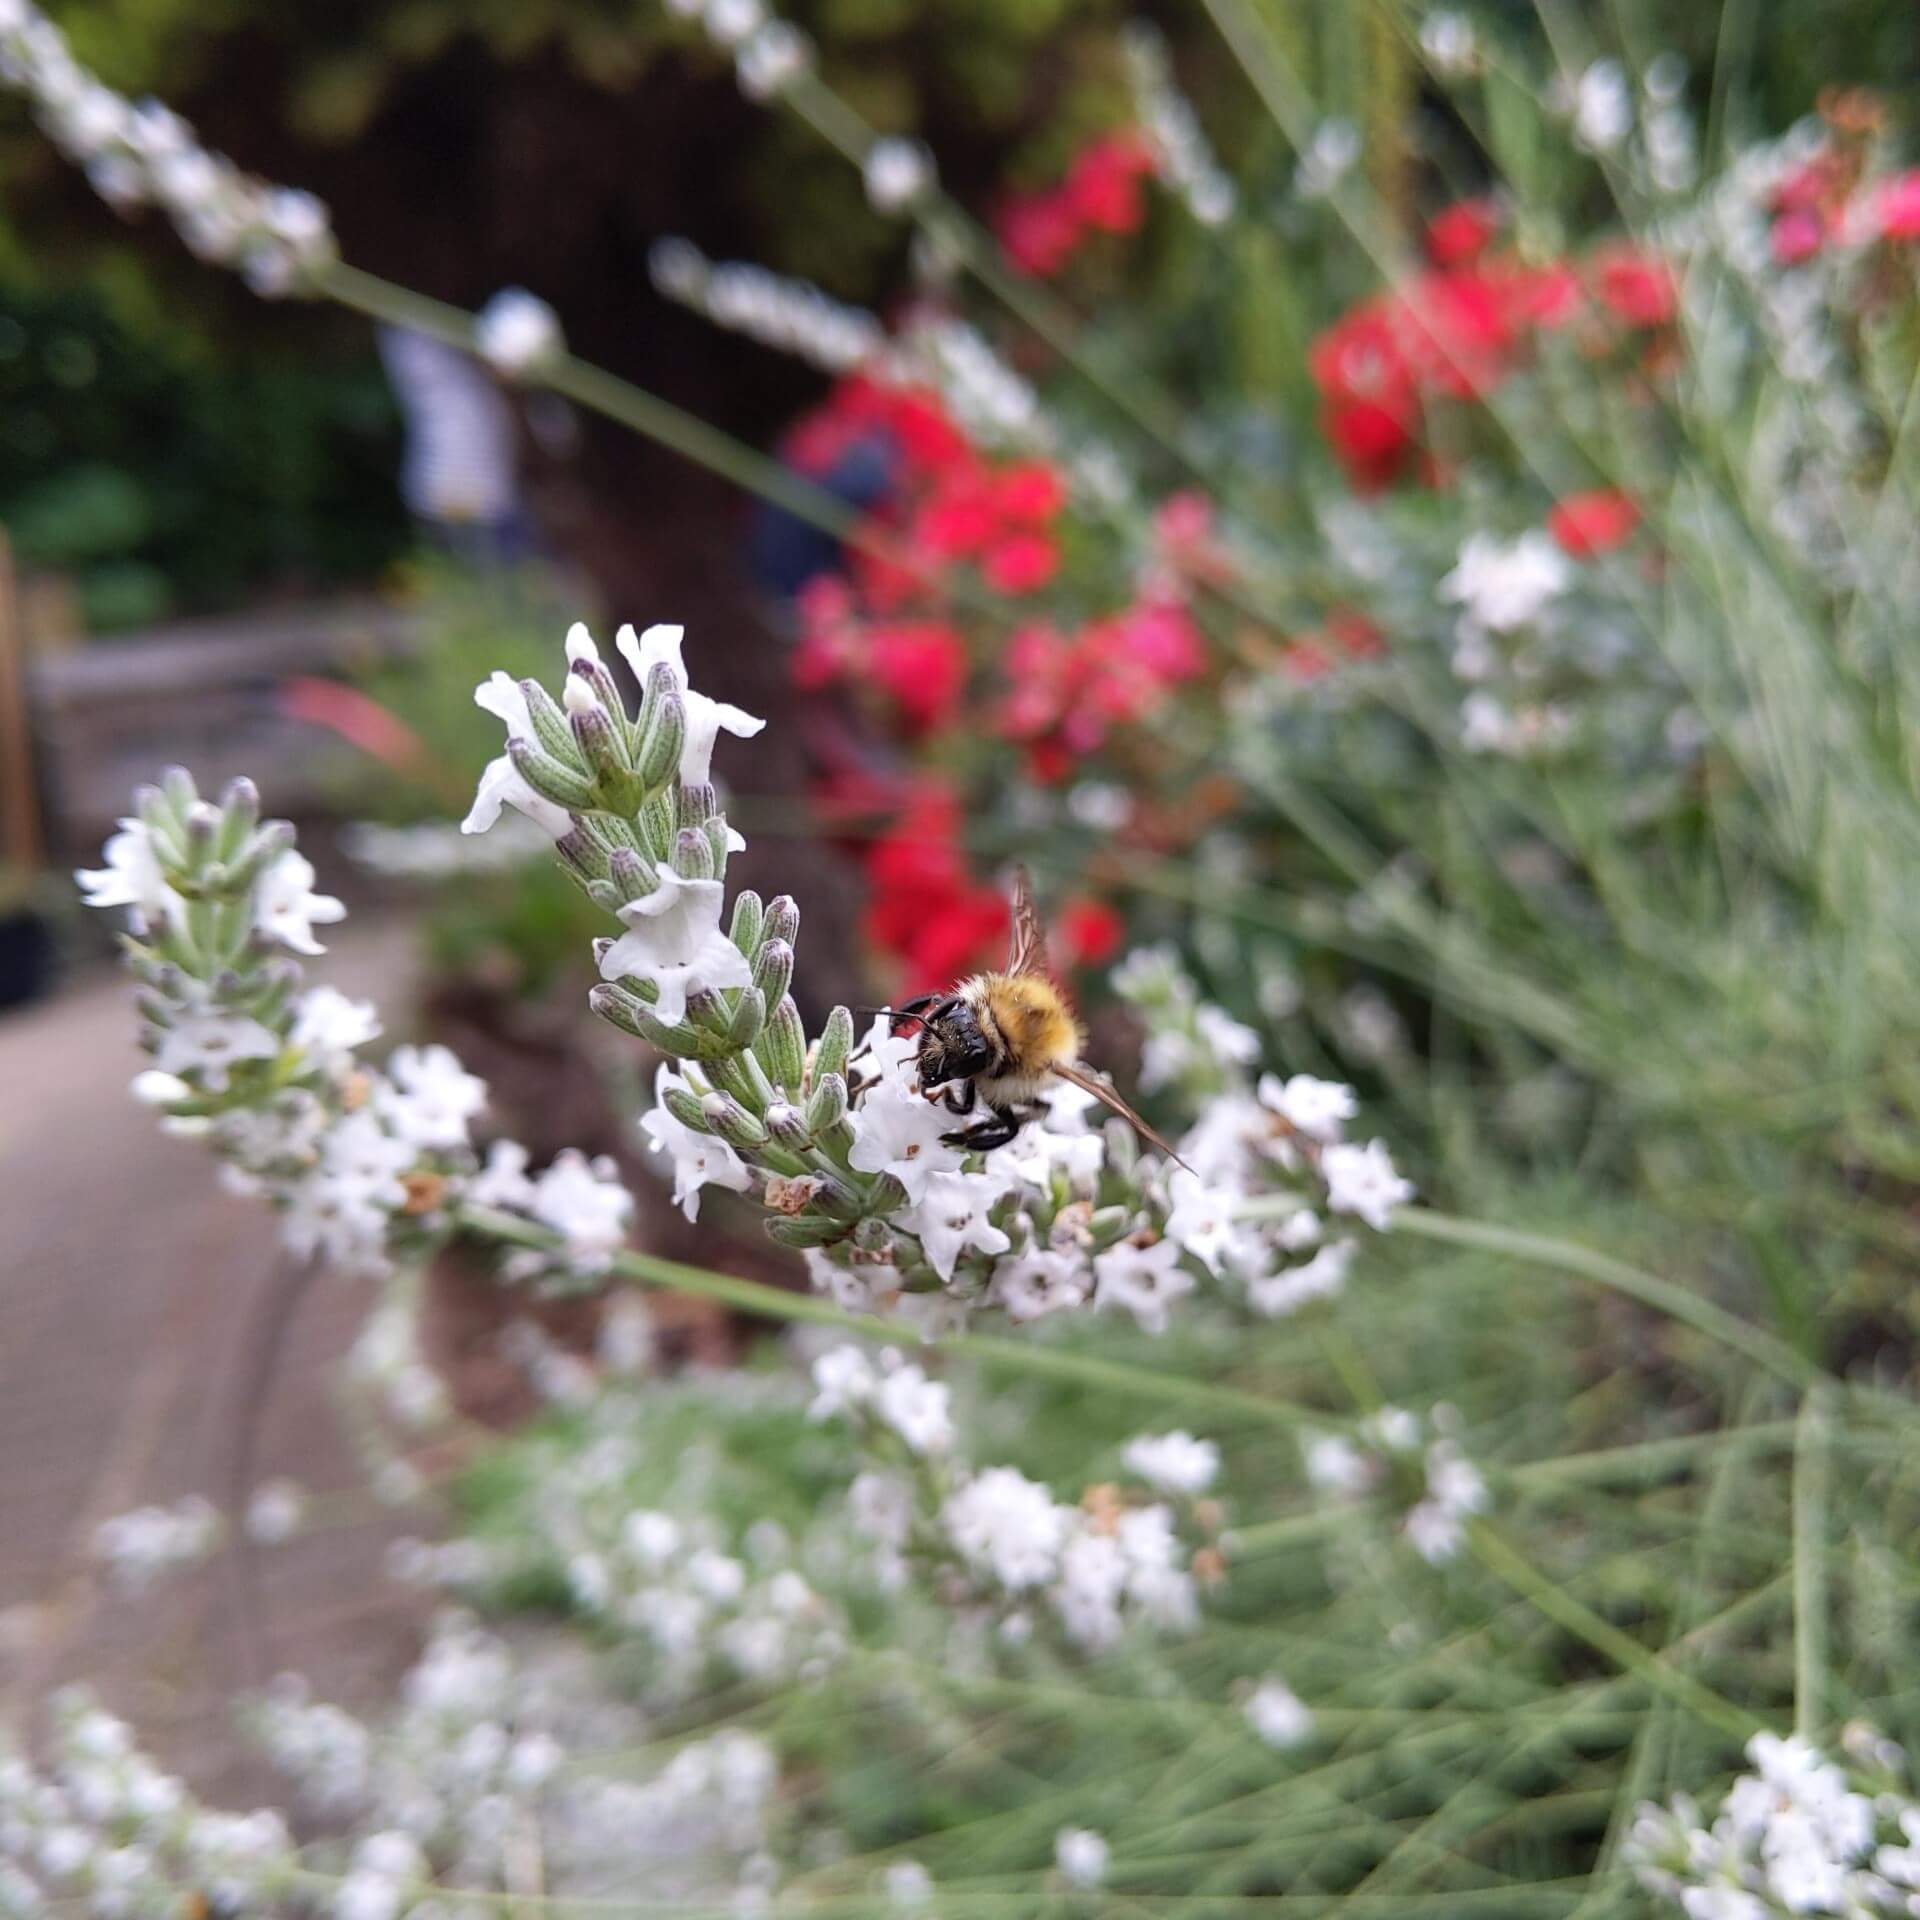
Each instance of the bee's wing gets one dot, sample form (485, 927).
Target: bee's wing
(1104, 1091)
(1028, 953)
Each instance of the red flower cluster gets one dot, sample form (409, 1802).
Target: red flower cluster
(1585, 524)
(1067, 690)
(928, 911)
(1457, 331)
(1040, 232)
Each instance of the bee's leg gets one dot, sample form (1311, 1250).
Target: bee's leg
(959, 1098)
(996, 1131)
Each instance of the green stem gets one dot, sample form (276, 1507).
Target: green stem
(991, 1350)
(1649, 1290)
(1500, 1558)
(639, 411)
(1811, 1457)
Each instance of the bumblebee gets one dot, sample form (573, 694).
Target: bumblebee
(998, 1039)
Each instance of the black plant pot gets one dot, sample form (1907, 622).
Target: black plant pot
(26, 957)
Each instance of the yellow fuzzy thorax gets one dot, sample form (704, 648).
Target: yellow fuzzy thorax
(1028, 1015)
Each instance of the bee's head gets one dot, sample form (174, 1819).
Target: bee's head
(951, 1045)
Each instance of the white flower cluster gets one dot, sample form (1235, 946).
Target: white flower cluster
(1187, 161)
(104, 1831)
(996, 1540)
(1266, 1167)
(994, 406)
(1800, 1834)
(438, 850)
(791, 316)
(769, 54)
(360, 1164)
(1416, 1465)
(136, 1548)
(700, 1611)
(139, 154)
(898, 174)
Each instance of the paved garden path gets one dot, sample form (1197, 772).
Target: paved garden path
(130, 1290)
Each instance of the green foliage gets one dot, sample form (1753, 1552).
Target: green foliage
(162, 480)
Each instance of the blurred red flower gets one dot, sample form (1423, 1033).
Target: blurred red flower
(1634, 285)
(1021, 562)
(1585, 524)
(1090, 931)
(922, 668)
(1461, 233)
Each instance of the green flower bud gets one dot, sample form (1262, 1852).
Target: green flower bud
(732, 1122)
(836, 1042)
(692, 856)
(593, 674)
(782, 1047)
(685, 1106)
(617, 1003)
(740, 1075)
(838, 1198)
(585, 855)
(715, 831)
(656, 826)
(633, 877)
(827, 1106)
(873, 1235)
(550, 778)
(260, 852)
(550, 730)
(783, 920)
(203, 831)
(749, 1017)
(788, 1125)
(599, 742)
(745, 930)
(660, 737)
(773, 970)
(805, 1230)
(239, 815)
(176, 785)
(708, 1010)
(1109, 1226)
(695, 806)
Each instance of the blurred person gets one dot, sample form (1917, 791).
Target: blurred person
(460, 474)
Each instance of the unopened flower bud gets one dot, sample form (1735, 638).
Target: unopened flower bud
(598, 739)
(783, 920)
(1107, 1226)
(695, 805)
(176, 784)
(805, 1230)
(550, 778)
(873, 1235)
(685, 1105)
(604, 687)
(618, 1004)
(788, 1125)
(749, 1018)
(834, 1045)
(782, 1046)
(203, 830)
(633, 877)
(773, 970)
(708, 1011)
(659, 738)
(692, 856)
(745, 930)
(827, 1105)
(732, 1122)
(584, 855)
(239, 815)
(550, 730)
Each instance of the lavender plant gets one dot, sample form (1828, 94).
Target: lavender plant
(1419, 1603)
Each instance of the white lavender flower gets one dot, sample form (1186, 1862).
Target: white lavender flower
(518, 335)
